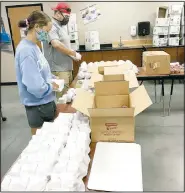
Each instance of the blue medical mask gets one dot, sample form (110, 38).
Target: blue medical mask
(42, 36)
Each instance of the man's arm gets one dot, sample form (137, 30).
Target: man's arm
(54, 40)
(61, 48)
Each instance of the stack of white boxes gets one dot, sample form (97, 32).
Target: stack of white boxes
(73, 32)
(92, 41)
(175, 12)
(160, 30)
(182, 34)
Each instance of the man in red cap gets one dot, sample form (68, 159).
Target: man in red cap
(58, 52)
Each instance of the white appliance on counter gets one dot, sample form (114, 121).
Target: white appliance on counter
(92, 41)
(73, 32)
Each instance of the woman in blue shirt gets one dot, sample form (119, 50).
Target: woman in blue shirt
(33, 73)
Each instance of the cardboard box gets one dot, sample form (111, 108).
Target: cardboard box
(73, 36)
(121, 73)
(160, 30)
(95, 77)
(156, 62)
(175, 20)
(92, 40)
(174, 30)
(114, 74)
(92, 46)
(162, 12)
(105, 64)
(92, 37)
(112, 122)
(162, 22)
(157, 41)
(175, 9)
(173, 41)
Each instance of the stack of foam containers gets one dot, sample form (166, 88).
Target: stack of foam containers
(72, 164)
(160, 30)
(175, 12)
(68, 97)
(83, 72)
(35, 168)
(73, 32)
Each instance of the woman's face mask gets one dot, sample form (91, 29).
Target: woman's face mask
(42, 35)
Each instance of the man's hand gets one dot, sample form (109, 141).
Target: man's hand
(55, 86)
(77, 56)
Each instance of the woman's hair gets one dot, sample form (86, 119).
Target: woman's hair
(36, 17)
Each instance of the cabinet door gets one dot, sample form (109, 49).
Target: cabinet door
(95, 56)
(134, 56)
(173, 53)
(110, 55)
(17, 13)
(180, 56)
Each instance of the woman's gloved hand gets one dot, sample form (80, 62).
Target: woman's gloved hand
(55, 86)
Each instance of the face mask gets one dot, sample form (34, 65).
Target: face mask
(65, 20)
(42, 36)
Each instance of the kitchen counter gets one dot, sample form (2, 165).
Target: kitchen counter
(108, 47)
(134, 54)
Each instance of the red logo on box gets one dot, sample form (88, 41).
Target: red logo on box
(111, 126)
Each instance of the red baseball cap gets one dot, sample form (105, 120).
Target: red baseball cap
(63, 7)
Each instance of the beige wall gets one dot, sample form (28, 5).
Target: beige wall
(115, 21)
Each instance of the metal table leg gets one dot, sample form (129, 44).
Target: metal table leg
(171, 93)
(162, 83)
(155, 91)
(161, 93)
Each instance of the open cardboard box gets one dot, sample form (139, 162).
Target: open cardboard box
(156, 62)
(121, 72)
(109, 121)
(114, 73)
(100, 69)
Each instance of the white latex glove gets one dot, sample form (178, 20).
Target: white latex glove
(60, 83)
(78, 56)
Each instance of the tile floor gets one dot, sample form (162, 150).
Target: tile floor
(161, 138)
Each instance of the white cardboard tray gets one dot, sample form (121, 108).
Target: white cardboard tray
(116, 167)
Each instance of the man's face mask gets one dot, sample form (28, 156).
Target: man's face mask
(42, 36)
(64, 19)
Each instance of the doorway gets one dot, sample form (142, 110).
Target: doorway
(15, 14)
